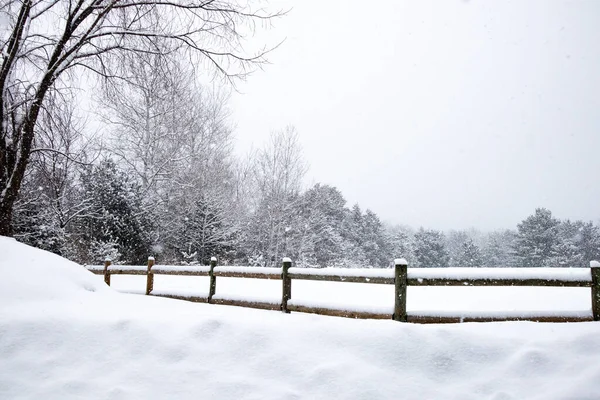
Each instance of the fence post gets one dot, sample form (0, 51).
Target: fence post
(213, 278)
(150, 276)
(107, 263)
(595, 269)
(287, 284)
(400, 283)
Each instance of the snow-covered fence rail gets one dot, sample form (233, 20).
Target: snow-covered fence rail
(400, 276)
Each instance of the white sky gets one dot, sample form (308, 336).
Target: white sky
(445, 114)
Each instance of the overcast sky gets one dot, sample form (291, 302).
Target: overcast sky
(445, 114)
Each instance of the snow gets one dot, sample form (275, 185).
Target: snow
(335, 305)
(65, 335)
(427, 301)
(157, 269)
(567, 274)
(362, 296)
(254, 299)
(594, 264)
(347, 272)
(180, 293)
(400, 261)
(519, 314)
(248, 270)
(287, 259)
(94, 267)
(28, 280)
(128, 268)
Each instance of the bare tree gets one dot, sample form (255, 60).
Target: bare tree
(52, 199)
(278, 172)
(280, 166)
(41, 40)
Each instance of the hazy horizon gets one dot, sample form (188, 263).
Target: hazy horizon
(444, 115)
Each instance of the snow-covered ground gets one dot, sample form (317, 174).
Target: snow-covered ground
(65, 335)
(378, 298)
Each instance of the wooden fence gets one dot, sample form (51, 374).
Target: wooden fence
(400, 276)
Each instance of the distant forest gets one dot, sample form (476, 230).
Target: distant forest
(160, 178)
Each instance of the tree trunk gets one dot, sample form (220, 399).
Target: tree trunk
(6, 207)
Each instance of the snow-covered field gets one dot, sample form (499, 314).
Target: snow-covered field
(65, 335)
(462, 301)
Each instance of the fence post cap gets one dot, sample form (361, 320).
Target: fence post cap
(287, 259)
(150, 258)
(213, 259)
(400, 261)
(594, 264)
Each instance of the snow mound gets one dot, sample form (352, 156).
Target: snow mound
(30, 274)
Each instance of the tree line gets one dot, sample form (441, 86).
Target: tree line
(161, 178)
(172, 188)
(154, 172)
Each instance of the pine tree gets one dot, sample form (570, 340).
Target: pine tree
(470, 255)
(35, 223)
(117, 222)
(353, 255)
(455, 241)
(375, 246)
(566, 251)
(499, 250)
(589, 243)
(430, 250)
(316, 234)
(537, 239)
(204, 231)
(402, 244)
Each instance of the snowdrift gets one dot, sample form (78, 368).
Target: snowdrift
(30, 274)
(65, 335)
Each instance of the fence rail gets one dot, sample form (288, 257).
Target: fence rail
(400, 276)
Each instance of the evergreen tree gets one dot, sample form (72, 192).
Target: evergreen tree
(455, 241)
(589, 243)
(566, 251)
(316, 234)
(35, 223)
(537, 239)
(402, 244)
(430, 250)
(117, 222)
(374, 244)
(204, 231)
(353, 254)
(470, 255)
(499, 250)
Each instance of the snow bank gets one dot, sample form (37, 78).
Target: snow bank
(28, 274)
(64, 335)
